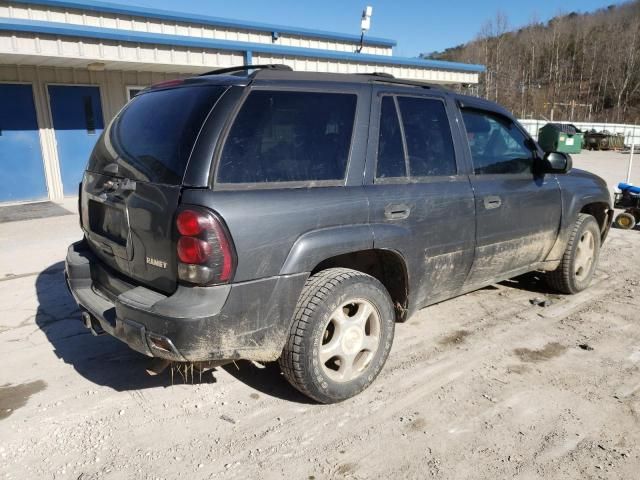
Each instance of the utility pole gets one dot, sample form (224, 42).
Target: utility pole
(573, 106)
(633, 146)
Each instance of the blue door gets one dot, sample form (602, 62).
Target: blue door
(21, 167)
(77, 122)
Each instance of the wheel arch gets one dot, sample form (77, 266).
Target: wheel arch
(599, 208)
(603, 214)
(387, 266)
(352, 247)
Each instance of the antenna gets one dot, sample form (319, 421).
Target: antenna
(365, 25)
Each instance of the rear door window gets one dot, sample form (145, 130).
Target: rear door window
(153, 136)
(417, 138)
(287, 136)
(428, 137)
(391, 158)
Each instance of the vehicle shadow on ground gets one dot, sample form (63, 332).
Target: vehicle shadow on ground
(102, 360)
(531, 282)
(106, 361)
(265, 378)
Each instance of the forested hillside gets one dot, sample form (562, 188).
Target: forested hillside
(576, 66)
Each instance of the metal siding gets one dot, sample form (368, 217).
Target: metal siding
(320, 65)
(89, 33)
(77, 15)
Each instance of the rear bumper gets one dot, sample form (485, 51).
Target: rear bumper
(248, 320)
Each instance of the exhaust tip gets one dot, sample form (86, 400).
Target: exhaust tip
(90, 323)
(86, 319)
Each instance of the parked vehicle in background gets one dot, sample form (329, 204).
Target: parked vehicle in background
(291, 216)
(628, 199)
(603, 140)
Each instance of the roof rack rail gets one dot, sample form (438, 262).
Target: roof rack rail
(377, 74)
(244, 68)
(384, 77)
(411, 83)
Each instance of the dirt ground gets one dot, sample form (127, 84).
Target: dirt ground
(486, 385)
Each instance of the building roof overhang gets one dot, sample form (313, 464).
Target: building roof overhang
(110, 34)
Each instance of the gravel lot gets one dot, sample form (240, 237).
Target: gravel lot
(482, 386)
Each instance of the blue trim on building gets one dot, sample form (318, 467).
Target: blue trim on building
(97, 6)
(68, 30)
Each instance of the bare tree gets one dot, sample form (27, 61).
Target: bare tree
(574, 65)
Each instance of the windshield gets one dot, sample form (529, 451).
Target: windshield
(151, 139)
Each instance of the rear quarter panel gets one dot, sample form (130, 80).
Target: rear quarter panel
(265, 224)
(266, 221)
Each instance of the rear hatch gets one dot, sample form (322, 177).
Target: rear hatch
(133, 182)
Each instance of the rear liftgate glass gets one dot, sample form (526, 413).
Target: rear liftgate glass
(131, 190)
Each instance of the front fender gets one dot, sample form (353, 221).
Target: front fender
(579, 189)
(315, 246)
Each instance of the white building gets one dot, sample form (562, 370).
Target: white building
(66, 68)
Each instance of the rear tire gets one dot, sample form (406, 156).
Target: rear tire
(625, 221)
(341, 335)
(580, 258)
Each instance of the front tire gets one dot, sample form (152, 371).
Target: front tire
(340, 337)
(580, 258)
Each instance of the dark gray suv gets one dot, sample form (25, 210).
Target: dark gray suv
(278, 215)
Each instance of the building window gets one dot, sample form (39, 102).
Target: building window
(133, 91)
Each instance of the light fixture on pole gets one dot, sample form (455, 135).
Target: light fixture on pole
(365, 25)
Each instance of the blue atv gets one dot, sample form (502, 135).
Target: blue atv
(629, 199)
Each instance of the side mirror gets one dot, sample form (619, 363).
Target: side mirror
(556, 162)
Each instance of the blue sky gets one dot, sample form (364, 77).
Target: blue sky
(417, 25)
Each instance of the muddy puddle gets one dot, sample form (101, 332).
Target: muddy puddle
(455, 338)
(549, 351)
(12, 397)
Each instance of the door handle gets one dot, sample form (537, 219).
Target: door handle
(492, 201)
(397, 211)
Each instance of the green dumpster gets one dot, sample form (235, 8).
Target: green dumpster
(560, 137)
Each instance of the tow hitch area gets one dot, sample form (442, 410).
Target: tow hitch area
(92, 324)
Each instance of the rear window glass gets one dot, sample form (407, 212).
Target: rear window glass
(152, 138)
(391, 161)
(428, 137)
(289, 136)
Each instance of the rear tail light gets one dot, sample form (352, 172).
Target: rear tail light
(193, 250)
(205, 252)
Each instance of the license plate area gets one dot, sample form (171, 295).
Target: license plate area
(109, 222)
